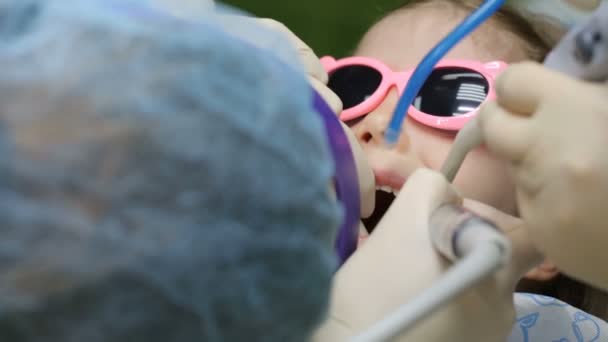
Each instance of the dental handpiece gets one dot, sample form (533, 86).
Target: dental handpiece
(458, 232)
(478, 246)
(468, 138)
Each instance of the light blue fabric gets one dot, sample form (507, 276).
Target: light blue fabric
(546, 319)
(160, 180)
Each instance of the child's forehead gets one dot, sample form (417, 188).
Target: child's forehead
(403, 38)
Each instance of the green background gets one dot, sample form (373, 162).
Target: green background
(330, 27)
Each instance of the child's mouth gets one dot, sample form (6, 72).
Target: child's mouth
(389, 182)
(384, 198)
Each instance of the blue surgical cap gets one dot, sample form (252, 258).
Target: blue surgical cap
(160, 180)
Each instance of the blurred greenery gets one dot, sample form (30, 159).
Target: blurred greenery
(330, 27)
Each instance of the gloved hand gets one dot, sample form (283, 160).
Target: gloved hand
(316, 73)
(318, 79)
(398, 261)
(554, 131)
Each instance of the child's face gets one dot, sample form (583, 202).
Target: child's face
(400, 41)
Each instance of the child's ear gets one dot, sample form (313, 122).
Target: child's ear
(543, 272)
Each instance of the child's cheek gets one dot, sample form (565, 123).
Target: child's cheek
(430, 145)
(482, 176)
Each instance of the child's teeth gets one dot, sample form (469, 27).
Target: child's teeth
(386, 189)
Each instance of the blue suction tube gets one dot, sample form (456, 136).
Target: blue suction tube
(424, 69)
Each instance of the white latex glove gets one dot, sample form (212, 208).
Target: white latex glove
(554, 131)
(318, 79)
(316, 73)
(398, 261)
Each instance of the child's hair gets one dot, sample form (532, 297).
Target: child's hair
(539, 36)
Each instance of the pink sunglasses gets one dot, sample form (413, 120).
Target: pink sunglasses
(450, 96)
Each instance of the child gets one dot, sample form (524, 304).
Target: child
(399, 41)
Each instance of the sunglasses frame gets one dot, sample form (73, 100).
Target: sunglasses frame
(399, 80)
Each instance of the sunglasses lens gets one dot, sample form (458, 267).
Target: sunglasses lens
(452, 91)
(354, 84)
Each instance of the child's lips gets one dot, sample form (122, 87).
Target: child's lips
(389, 178)
(392, 169)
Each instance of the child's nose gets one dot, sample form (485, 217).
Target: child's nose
(371, 131)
